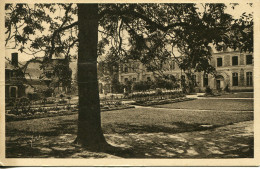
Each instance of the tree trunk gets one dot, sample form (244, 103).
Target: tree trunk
(90, 133)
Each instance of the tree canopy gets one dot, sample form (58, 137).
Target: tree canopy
(132, 31)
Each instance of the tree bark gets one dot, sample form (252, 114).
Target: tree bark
(89, 119)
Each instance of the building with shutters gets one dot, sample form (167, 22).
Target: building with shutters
(233, 69)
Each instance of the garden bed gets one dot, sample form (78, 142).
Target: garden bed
(160, 102)
(52, 113)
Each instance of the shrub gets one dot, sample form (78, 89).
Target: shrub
(10, 102)
(226, 89)
(158, 92)
(48, 92)
(34, 96)
(117, 87)
(208, 91)
(61, 101)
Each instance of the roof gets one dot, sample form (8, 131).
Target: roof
(58, 56)
(33, 71)
(9, 66)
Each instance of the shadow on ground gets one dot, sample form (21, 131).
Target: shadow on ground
(179, 140)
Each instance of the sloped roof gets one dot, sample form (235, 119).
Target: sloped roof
(33, 70)
(9, 66)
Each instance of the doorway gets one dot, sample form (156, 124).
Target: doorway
(13, 92)
(218, 84)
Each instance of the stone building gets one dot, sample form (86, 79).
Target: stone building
(233, 69)
(23, 81)
(14, 78)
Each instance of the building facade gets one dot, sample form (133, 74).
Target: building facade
(14, 79)
(233, 69)
(24, 82)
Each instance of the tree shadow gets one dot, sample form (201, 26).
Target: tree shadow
(176, 127)
(125, 141)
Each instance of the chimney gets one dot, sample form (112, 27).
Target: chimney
(15, 59)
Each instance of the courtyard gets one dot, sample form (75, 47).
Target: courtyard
(219, 127)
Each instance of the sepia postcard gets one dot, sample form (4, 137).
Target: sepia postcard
(120, 83)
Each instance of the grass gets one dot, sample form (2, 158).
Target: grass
(125, 127)
(139, 120)
(213, 104)
(238, 95)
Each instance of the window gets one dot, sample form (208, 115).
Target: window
(48, 74)
(7, 75)
(234, 60)
(194, 80)
(249, 78)
(183, 80)
(114, 68)
(249, 59)
(125, 69)
(13, 91)
(205, 80)
(235, 79)
(148, 78)
(136, 66)
(134, 79)
(219, 62)
(126, 79)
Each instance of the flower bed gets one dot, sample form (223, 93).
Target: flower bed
(12, 117)
(40, 111)
(157, 94)
(159, 102)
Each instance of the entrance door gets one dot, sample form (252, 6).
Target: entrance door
(13, 92)
(218, 84)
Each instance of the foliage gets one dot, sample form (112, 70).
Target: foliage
(21, 106)
(152, 29)
(226, 89)
(143, 86)
(117, 87)
(168, 82)
(242, 33)
(208, 91)
(48, 92)
(158, 93)
(34, 96)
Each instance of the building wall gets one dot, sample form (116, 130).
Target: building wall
(221, 79)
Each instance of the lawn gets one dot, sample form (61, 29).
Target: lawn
(238, 95)
(213, 104)
(138, 120)
(145, 130)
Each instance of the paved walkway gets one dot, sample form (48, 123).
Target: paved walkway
(238, 95)
(216, 98)
(197, 110)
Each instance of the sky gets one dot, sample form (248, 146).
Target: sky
(236, 13)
